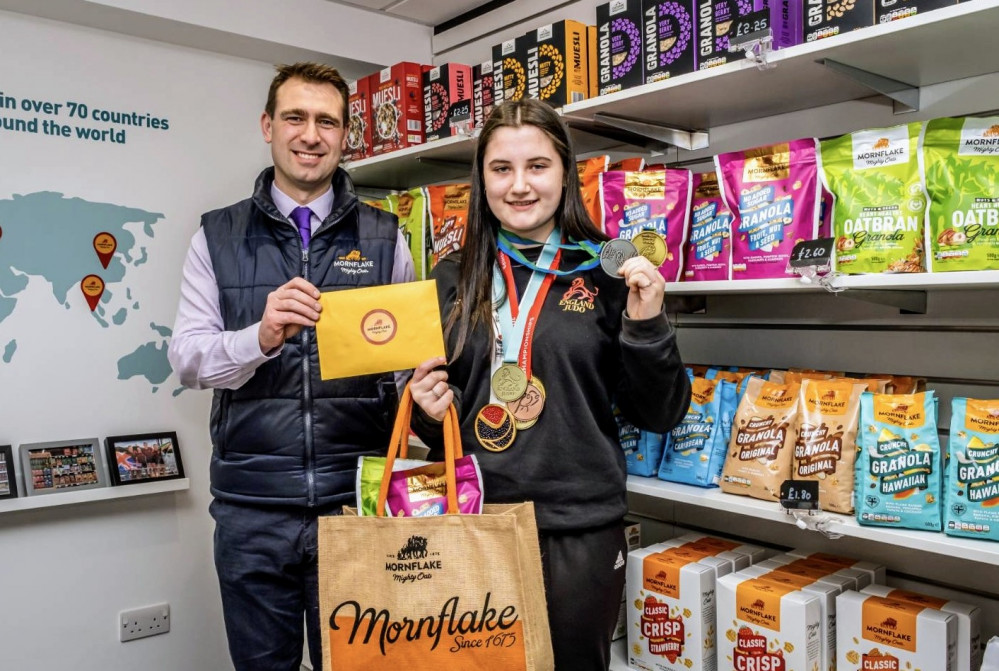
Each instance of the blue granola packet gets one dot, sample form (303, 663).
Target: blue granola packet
(695, 449)
(971, 498)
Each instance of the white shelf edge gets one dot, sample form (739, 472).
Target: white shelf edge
(90, 495)
(415, 151)
(971, 279)
(925, 541)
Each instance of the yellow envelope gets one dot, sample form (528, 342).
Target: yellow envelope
(378, 329)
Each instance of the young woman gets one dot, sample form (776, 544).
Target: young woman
(542, 342)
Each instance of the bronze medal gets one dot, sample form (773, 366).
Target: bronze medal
(652, 246)
(509, 382)
(527, 408)
(495, 427)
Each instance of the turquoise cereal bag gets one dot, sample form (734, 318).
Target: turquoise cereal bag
(899, 471)
(695, 449)
(971, 501)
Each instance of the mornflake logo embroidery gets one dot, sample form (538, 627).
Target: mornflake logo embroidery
(413, 562)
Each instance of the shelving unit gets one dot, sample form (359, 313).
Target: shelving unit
(91, 495)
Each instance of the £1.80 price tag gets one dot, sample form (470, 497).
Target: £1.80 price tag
(799, 495)
(816, 252)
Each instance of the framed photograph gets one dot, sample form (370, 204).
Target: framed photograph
(143, 457)
(62, 466)
(8, 481)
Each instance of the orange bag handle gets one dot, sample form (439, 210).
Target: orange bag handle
(399, 444)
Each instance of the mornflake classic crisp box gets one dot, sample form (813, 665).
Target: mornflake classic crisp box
(891, 635)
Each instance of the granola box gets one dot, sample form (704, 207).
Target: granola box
(886, 11)
(447, 100)
(767, 625)
(669, 44)
(893, 635)
(715, 19)
(483, 93)
(359, 123)
(558, 63)
(969, 621)
(671, 612)
(825, 18)
(971, 493)
(619, 46)
(510, 69)
(397, 107)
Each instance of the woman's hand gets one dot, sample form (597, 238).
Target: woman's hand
(430, 388)
(646, 288)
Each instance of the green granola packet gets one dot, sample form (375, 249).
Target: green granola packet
(879, 203)
(960, 165)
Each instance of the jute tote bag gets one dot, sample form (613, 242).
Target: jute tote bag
(461, 592)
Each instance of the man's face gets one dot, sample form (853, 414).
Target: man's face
(307, 137)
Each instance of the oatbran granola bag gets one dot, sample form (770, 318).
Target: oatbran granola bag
(659, 201)
(826, 440)
(411, 206)
(709, 251)
(899, 471)
(971, 496)
(960, 165)
(762, 443)
(772, 191)
(879, 203)
(449, 214)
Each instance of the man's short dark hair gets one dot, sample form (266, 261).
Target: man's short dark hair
(310, 72)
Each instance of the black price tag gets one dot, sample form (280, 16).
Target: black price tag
(799, 495)
(812, 253)
(754, 22)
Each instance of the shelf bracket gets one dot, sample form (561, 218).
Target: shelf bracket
(905, 97)
(652, 136)
(913, 302)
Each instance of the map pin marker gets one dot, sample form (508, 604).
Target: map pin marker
(93, 289)
(104, 245)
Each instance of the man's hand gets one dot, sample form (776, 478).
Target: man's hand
(289, 308)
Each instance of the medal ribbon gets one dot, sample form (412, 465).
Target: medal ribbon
(506, 242)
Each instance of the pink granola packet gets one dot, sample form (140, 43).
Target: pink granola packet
(657, 200)
(709, 249)
(422, 492)
(773, 194)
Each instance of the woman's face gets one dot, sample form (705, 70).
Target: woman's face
(524, 180)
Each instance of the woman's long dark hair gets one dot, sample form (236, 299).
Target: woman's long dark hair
(473, 306)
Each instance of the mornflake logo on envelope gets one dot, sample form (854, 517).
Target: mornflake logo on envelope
(378, 326)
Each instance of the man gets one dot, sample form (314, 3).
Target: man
(285, 443)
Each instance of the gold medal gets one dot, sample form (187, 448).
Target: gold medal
(652, 246)
(527, 408)
(495, 427)
(509, 382)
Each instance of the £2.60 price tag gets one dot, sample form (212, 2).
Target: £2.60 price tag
(816, 252)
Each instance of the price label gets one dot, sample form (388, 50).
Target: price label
(799, 495)
(812, 253)
(750, 24)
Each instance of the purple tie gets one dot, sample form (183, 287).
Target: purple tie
(302, 216)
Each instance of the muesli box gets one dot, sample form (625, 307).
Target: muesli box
(483, 93)
(510, 69)
(879, 633)
(619, 45)
(447, 100)
(825, 18)
(397, 107)
(766, 625)
(558, 63)
(359, 122)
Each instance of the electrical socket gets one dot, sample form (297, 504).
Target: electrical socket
(143, 622)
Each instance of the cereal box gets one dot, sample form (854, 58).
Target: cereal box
(619, 45)
(483, 93)
(899, 478)
(766, 625)
(875, 571)
(969, 621)
(971, 506)
(878, 633)
(669, 39)
(671, 612)
(825, 18)
(558, 63)
(510, 70)
(846, 578)
(715, 18)
(447, 100)
(397, 107)
(755, 553)
(893, 10)
(359, 124)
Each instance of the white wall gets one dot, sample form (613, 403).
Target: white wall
(67, 571)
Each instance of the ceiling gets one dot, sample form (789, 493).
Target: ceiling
(427, 12)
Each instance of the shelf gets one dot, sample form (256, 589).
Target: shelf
(447, 159)
(89, 495)
(981, 279)
(930, 48)
(923, 541)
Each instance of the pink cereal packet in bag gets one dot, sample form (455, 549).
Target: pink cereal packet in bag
(709, 249)
(773, 194)
(422, 492)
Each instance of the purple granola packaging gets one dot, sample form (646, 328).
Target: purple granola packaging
(668, 39)
(422, 492)
(619, 45)
(709, 250)
(657, 200)
(715, 19)
(772, 192)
